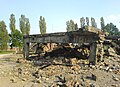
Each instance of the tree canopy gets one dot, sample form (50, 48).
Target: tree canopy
(12, 23)
(17, 39)
(102, 23)
(82, 22)
(71, 26)
(87, 21)
(24, 25)
(111, 29)
(93, 23)
(76, 27)
(4, 37)
(42, 25)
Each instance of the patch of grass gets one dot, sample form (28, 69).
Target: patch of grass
(6, 52)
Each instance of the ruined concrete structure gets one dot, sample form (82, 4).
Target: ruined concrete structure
(90, 35)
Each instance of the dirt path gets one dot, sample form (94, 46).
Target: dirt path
(8, 72)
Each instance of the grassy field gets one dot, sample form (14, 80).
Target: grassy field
(6, 52)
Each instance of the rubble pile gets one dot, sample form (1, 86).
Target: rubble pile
(63, 72)
(68, 51)
(78, 74)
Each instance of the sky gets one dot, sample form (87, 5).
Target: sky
(57, 12)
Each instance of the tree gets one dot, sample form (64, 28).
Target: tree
(111, 29)
(27, 25)
(76, 26)
(82, 22)
(102, 23)
(12, 23)
(87, 21)
(93, 23)
(16, 37)
(70, 26)
(24, 25)
(4, 37)
(12, 28)
(42, 25)
(17, 41)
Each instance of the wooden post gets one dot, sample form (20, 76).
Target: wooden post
(92, 58)
(26, 50)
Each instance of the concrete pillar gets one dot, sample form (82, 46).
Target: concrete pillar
(92, 58)
(38, 49)
(26, 50)
(100, 52)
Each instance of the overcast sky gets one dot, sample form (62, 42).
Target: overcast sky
(56, 12)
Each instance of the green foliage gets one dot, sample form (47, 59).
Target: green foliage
(24, 25)
(111, 29)
(17, 39)
(71, 26)
(76, 26)
(68, 26)
(87, 21)
(42, 25)
(82, 22)
(4, 37)
(102, 23)
(27, 26)
(12, 22)
(5, 52)
(93, 23)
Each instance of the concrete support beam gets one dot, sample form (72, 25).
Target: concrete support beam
(26, 50)
(99, 51)
(92, 58)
